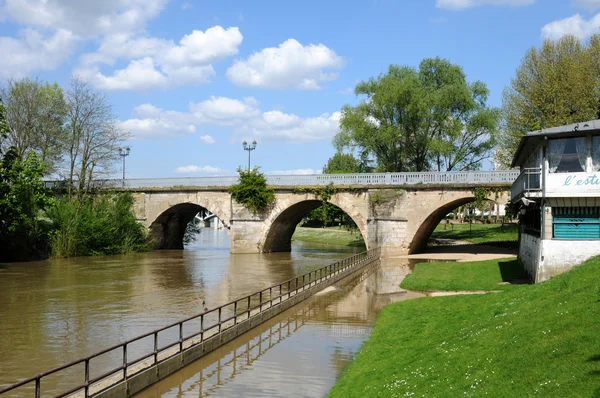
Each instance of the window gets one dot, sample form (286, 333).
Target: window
(596, 153)
(576, 222)
(531, 220)
(567, 155)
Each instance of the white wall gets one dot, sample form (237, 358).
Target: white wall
(562, 255)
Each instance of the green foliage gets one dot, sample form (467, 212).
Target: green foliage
(556, 84)
(529, 340)
(413, 120)
(102, 224)
(346, 163)
(252, 190)
(23, 232)
(35, 113)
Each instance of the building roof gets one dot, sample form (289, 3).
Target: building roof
(530, 140)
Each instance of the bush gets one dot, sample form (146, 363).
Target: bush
(252, 190)
(103, 224)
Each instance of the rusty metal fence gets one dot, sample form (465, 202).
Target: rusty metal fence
(145, 351)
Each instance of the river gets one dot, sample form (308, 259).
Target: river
(56, 311)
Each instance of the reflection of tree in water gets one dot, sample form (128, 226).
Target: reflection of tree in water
(194, 228)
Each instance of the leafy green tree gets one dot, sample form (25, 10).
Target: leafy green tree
(35, 113)
(252, 190)
(23, 233)
(341, 163)
(415, 120)
(556, 84)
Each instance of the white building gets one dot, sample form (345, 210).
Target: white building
(559, 194)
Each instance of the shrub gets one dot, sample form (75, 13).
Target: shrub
(252, 190)
(103, 224)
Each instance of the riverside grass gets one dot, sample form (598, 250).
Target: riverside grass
(531, 340)
(477, 233)
(453, 276)
(329, 236)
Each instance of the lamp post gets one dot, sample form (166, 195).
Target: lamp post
(123, 152)
(249, 148)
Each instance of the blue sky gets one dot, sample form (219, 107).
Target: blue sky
(191, 79)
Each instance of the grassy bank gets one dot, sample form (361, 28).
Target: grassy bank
(452, 276)
(529, 340)
(480, 233)
(329, 236)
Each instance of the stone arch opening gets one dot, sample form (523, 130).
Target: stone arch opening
(279, 235)
(421, 237)
(168, 230)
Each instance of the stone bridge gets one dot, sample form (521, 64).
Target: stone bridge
(394, 211)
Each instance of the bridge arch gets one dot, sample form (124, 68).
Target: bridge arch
(436, 215)
(287, 214)
(168, 229)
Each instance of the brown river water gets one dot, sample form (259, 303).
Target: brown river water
(56, 311)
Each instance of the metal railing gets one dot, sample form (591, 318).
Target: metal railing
(189, 332)
(528, 181)
(451, 177)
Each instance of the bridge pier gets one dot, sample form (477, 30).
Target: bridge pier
(388, 234)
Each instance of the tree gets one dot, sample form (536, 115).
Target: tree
(92, 137)
(555, 85)
(35, 113)
(23, 234)
(342, 163)
(413, 120)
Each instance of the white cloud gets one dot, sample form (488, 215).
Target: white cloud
(575, 25)
(289, 66)
(207, 139)
(84, 18)
(462, 4)
(590, 5)
(32, 51)
(159, 63)
(155, 122)
(244, 116)
(295, 172)
(192, 169)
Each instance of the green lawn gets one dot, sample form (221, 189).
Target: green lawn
(451, 276)
(329, 236)
(532, 340)
(481, 233)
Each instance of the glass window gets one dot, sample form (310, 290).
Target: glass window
(567, 155)
(596, 153)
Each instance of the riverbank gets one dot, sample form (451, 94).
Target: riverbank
(329, 236)
(526, 340)
(497, 234)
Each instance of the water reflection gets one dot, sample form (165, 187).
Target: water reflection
(299, 353)
(56, 311)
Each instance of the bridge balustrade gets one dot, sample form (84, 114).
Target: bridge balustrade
(364, 179)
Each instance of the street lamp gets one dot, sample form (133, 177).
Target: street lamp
(249, 148)
(123, 152)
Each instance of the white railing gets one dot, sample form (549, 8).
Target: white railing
(528, 181)
(505, 177)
